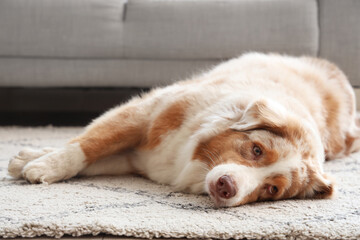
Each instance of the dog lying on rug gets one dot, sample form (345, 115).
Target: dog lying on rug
(254, 128)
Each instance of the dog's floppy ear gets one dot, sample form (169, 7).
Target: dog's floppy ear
(269, 115)
(322, 186)
(264, 114)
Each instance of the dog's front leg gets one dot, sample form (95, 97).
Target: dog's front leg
(119, 130)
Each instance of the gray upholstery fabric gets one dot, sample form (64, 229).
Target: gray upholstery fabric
(95, 73)
(340, 35)
(216, 29)
(61, 28)
(142, 43)
(154, 29)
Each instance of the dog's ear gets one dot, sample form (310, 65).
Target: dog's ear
(268, 115)
(322, 186)
(262, 114)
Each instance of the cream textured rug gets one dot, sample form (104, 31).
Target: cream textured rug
(133, 206)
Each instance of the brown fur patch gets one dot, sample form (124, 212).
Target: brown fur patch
(349, 140)
(233, 147)
(291, 131)
(282, 183)
(115, 134)
(335, 74)
(316, 187)
(296, 185)
(335, 143)
(171, 119)
(261, 194)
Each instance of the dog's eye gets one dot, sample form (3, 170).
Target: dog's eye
(257, 150)
(272, 190)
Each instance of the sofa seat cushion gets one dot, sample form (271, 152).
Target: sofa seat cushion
(156, 29)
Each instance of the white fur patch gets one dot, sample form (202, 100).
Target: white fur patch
(26, 155)
(192, 177)
(57, 165)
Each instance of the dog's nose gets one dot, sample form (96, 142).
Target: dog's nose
(225, 187)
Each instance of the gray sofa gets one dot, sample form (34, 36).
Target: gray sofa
(85, 55)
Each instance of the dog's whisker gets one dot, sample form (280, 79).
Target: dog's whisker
(205, 168)
(211, 158)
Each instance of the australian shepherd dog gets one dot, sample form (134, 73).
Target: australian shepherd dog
(255, 128)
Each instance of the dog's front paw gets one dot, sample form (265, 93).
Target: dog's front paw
(55, 166)
(18, 162)
(42, 171)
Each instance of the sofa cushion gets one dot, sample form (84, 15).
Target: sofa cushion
(218, 29)
(156, 29)
(61, 28)
(340, 35)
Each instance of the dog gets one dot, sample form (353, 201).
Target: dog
(255, 128)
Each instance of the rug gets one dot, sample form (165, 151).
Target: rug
(134, 206)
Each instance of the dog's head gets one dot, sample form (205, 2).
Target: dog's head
(267, 154)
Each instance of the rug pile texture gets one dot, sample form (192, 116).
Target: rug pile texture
(133, 206)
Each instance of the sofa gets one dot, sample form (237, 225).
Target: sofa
(84, 56)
